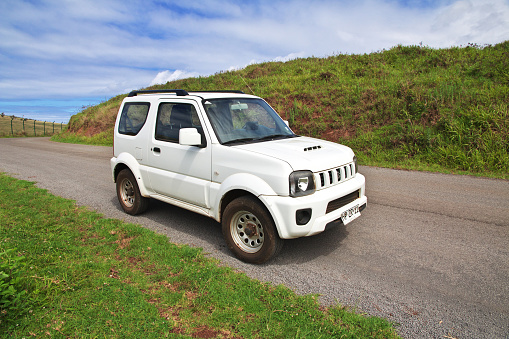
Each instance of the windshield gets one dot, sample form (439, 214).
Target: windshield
(245, 120)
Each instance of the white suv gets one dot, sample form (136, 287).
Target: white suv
(229, 156)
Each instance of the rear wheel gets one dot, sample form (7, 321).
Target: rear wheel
(129, 195)
(249, 230)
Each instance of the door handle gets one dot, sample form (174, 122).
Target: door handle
(156, 150)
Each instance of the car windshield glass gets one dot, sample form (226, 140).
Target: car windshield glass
(245, 120)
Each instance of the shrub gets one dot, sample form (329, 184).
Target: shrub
(12, 295)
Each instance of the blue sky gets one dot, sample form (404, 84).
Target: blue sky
(59, 55)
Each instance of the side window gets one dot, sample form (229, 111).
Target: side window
(172, 117)
(133, 117)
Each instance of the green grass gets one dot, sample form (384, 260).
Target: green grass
(87, 276)
(99, 139)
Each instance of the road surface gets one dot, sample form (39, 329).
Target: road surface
(430, 252)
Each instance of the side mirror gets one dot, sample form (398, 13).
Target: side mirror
(189, 137)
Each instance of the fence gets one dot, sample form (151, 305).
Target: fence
(13, 126)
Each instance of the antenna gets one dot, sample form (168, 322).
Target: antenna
(252, 92)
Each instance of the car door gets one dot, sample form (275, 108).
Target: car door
(178, 171)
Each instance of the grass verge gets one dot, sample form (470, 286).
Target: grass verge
(100, 139)
(372, 157)
(87, 276)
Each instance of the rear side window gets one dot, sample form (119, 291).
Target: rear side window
(133, 117)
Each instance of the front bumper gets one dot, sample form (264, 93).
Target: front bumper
(284, 209)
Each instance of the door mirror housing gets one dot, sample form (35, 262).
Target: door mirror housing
(190, 137)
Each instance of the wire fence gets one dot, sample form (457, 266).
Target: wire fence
(14, 126)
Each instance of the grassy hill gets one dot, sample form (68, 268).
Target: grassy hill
(408, 107)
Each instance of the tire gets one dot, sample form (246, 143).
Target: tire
(128, 194)
(250, 231)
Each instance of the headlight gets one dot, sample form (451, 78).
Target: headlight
(356, 170)
(302, 183)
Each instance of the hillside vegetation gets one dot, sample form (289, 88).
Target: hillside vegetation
(408, 107)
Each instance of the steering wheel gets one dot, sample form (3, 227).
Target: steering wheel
(251, 126)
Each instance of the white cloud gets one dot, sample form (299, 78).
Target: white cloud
(55, 48)
(166, 76)
(290, 56)
(469, 21)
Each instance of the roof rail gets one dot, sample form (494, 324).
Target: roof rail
(178, 92)
(222, 91)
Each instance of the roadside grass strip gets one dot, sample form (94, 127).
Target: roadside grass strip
(67, 272)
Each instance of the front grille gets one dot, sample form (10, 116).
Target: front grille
(340, 202)
(334, 176)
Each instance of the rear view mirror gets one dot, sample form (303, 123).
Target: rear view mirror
(238, 106)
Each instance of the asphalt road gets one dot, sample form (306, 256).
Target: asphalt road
(430, 252)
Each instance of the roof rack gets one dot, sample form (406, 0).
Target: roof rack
(178, 92)
(221, 91)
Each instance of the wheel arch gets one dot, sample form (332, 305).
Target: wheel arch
(230, 196)
(237, 193)
(127, 161)
(118, 168)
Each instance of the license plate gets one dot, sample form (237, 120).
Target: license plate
(350, 214)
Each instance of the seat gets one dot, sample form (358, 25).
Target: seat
(181, 116)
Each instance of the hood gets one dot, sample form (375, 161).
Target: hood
(303, 153)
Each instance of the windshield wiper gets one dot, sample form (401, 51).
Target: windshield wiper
(234, 141)
(265, 138)
(276, 136)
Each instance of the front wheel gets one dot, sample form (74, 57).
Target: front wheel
(249, 230)
(129, 195)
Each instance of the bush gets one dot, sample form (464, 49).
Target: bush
(12, 295)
